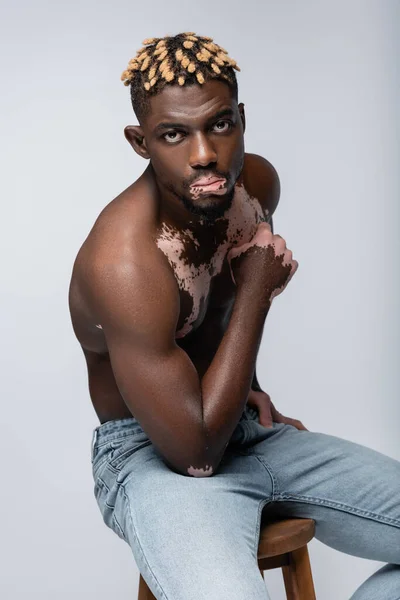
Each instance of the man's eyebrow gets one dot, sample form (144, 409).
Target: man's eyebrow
(225, 112)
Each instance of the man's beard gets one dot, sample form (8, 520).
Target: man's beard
(214, 210)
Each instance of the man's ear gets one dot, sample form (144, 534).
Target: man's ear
(242, 115)
(135, 136)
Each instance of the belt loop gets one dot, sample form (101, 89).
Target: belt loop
(94, 439)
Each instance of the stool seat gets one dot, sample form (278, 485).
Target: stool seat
(284, 536)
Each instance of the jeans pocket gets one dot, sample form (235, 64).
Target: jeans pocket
(130, 447)
(103, 453)
(100, 492)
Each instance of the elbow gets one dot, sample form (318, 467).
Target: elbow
(199, 467)
(207, 465)
(199, 460)
(209, 459)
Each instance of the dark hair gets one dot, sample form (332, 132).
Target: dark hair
(184, 59)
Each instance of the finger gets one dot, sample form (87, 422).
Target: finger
(301, 426)
(264, 415)
(288, 258)
(275, 414)
(298, 424)
(294, 422)
(295, 266)
(279, 418)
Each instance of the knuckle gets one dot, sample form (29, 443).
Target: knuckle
(288, 256)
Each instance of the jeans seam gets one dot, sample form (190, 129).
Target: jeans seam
(115, 437)
(139, 544)
(261, 505)
(116, 522)
(117, 463)
(102, 483)
(271, 474)
(344, 507)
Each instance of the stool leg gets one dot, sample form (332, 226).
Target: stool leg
(144, 591)
(297, 576)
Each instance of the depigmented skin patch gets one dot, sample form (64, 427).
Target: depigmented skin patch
(194, 271)
(207, 472)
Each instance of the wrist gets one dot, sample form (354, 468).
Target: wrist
(251, 297)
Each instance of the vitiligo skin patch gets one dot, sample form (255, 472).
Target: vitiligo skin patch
(207, 472)
(241, 221)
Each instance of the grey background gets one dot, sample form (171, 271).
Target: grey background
(321, 89)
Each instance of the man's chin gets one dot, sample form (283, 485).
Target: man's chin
(210, 207)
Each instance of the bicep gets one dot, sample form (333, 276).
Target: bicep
(138, 309)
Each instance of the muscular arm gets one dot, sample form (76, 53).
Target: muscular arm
(188, 418)
(254, 384)
(206, 339)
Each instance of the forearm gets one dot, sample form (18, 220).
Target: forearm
(254, 384)
(226, 383)
(203, 363)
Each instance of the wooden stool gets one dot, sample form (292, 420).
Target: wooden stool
(282, 544)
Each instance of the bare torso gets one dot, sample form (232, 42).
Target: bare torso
(204, 282)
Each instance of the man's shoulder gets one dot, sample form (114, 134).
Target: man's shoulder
(119, 259)
(122, 235)
(129, 218)
(261, 180)
(134, 208)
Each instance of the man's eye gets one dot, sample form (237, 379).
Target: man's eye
(226, 125)
(172, 139)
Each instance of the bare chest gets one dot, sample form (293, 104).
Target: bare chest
(199, 263)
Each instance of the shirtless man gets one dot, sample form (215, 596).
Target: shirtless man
(168, 298)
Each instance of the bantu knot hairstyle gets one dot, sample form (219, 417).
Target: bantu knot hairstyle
(184, 59)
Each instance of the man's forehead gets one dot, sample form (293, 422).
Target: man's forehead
(190, 103)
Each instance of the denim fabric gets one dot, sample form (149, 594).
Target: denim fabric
(197, 538)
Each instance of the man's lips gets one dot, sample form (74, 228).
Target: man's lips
(210, 185)
(204, 181)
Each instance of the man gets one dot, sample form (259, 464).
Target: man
(168, 299)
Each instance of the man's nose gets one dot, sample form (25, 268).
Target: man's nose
(202, 152)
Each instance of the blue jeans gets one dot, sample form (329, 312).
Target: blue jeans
(197, 538)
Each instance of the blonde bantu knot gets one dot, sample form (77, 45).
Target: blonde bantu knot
(174, 58)
(200, 77)
(185, 62)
